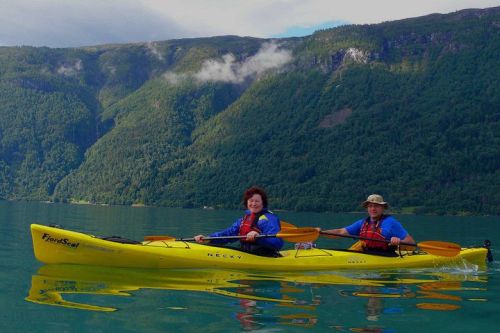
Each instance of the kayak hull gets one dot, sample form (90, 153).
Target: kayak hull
(58, 246)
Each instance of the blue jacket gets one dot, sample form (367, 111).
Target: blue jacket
(390, 228)
(268, 224)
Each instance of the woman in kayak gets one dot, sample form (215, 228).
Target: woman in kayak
(385, 231)
(258, 220)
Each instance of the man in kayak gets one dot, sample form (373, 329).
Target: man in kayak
(258, 220)
(384, 231)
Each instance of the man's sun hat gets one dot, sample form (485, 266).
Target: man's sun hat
(375, 199)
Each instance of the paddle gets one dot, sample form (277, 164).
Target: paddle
(283, 224)
(291, 235)
(444, 249)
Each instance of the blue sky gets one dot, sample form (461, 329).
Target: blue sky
(71, 23)
(299, 31)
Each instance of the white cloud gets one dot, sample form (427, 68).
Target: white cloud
(154, 51)
(175, 78)
(63, 23)
(227, 69)
(263, 18)
(70, 70)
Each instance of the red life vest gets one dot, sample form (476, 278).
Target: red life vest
(373, 230)
(248, 224)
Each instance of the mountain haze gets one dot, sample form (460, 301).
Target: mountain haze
(409, 109)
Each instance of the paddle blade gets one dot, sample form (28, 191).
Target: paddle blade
(299, 234)
(285, 225)
(445, 249)
(157, 238)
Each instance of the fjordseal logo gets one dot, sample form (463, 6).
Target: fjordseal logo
(62, 241)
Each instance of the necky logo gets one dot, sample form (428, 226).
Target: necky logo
(222, 255)
(62, 241)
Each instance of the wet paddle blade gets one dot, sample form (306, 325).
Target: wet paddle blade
(444, 249)
(285, 225)
(299, 234)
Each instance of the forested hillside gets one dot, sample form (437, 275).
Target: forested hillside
(409, 109)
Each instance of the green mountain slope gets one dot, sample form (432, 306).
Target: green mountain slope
(408, 109)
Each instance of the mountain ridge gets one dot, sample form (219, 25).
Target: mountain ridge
(407, 108)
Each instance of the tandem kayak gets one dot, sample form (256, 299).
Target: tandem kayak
(54, 245)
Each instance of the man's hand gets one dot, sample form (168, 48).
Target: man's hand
(395, 241)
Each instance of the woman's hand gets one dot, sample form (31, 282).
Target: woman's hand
(251, 236)
(199, 239)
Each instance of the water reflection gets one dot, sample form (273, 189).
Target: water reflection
(264, 299)
(436, 288)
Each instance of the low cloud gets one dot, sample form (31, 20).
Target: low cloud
(228, 69)
(70, 70)
(175, 78)
(151, 46)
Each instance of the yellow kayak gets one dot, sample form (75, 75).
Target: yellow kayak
(58, 246)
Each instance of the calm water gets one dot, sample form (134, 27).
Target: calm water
(88, 299)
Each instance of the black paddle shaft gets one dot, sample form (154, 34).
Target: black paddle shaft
(223, 237)
(366, 238)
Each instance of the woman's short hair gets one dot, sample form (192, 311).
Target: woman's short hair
(255, 190)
